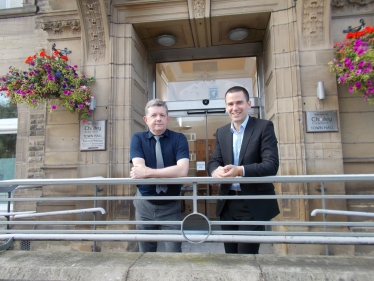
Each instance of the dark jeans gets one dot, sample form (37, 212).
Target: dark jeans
(236, 210)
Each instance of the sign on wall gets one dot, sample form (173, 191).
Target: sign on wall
(93, 135)
(321, 121)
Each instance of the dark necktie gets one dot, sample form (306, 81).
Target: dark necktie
(160, 163)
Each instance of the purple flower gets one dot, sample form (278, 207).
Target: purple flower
(358, 71)
(369, 83)
(33, 101)
(81, 106)
(58, 74)
(350, 89)
(352, 67)
(53, 107)
(361, 64)
(347, 61)
(67, 92)
(358, 85)
(360, 52)
(341, 79)
(367, 70)
(71, 102)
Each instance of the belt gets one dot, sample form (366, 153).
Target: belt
(235, 192)
(161, 202)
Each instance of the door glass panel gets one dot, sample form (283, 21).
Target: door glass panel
(200, 133)
(204, 79)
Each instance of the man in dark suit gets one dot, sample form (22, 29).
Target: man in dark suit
(246, 147)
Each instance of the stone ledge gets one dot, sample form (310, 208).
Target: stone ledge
(43, 265)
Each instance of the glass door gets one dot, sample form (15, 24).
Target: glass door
(200, 132)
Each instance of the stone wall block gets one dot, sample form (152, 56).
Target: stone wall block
(283, 38)
(356, 127)
(353, 104)
(85, 157)
(308, 58)
(120, 86)
(284, 83)
(62, 137)
(353, 150)
(286, 134)
(287, 151)
(102, 71)
(270, 95)
(285, 105)
(324, 56)
(94, 170)
(288, 166)
(61, 158)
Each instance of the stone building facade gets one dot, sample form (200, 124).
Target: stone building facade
(114, 41)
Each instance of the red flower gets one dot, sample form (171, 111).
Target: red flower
(43, 53)
(29, 59)
(65, 58)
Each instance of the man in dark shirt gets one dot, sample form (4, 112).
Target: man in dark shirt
(146, 159)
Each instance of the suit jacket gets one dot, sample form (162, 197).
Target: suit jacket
(259, 156)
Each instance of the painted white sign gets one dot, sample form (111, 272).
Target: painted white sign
(92, 135)
(200, 166)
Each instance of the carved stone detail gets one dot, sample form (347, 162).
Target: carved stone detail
(95, 28)
(313, 22)
(107, 5)
(338, 6)
(341, 3)
(58, 26)
(199, 8)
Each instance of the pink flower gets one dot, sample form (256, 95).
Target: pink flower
(53, 107)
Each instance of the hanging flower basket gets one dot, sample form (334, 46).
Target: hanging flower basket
(354, 63)
(49, 77)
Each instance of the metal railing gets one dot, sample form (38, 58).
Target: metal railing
(195, 235)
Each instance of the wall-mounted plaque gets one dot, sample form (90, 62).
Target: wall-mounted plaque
(92, 135)
(321, 121)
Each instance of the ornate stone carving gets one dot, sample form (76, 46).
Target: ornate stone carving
(58, 26)
(107, 6)
(199, 8)
(341, 3)
(95, 29)
(313, 22)
(344, 6)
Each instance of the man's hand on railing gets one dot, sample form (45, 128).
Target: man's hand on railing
(229, 171)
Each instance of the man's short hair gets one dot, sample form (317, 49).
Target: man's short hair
(156, 102)
(238, 89)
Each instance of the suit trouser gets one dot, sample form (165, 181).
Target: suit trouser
(146, 211)
(236, 210)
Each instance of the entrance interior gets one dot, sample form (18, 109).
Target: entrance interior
(195, 91)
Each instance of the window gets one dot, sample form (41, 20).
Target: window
(7, 4)
(8, 137)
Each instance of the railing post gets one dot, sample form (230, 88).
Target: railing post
(94, 226)
(194, 199)
(324, 215)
